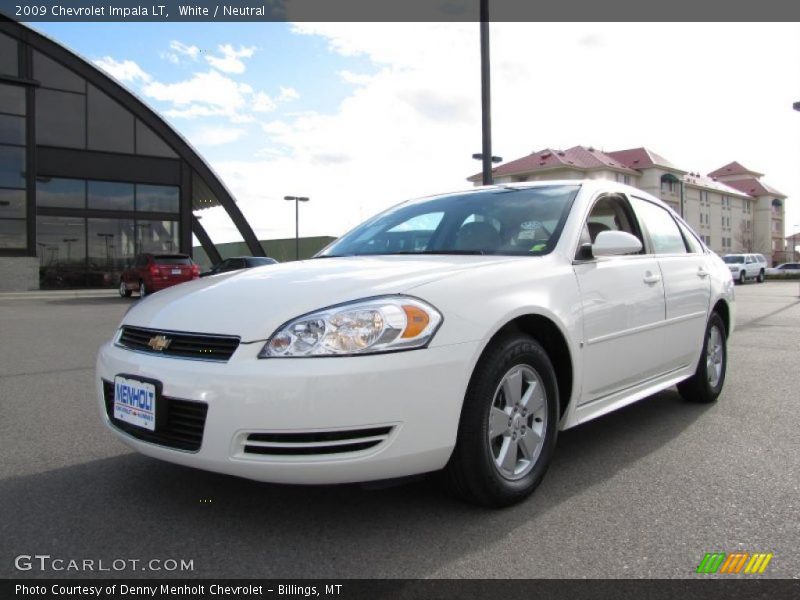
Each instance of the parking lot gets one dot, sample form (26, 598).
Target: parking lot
(643, 492)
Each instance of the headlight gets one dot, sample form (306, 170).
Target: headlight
(367, 326)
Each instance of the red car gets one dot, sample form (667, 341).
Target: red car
(153, 272)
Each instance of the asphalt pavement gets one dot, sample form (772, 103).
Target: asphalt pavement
(643, 492)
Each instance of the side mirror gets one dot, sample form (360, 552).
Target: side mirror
(615, 243)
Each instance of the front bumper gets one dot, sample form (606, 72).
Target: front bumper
(416, 395)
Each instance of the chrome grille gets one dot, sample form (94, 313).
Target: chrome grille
(198, 346)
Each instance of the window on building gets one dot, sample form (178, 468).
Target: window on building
(110, 195)
(110, 126)
(62, 193)
(54, 75)
(157, 236)
(60, 119)
(111, 246)
(149, 144)
(12, 130)
(623, 178)
(12, 204)
(157, 198)
(61, 247)
(9, 55)
(12, 99)
(13, 168)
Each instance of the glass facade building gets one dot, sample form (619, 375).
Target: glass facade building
(89, 175)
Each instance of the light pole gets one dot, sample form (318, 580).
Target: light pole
(485, 155)
(68, 242)
(107, 237)
(297, 200)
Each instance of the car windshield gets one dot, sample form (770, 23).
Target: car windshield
(504, 220)
(733, 260)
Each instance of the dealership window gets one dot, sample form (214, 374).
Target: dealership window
(52, 74)
(61, 247)
(13, 169)
(157, 198)
(61, 193)
(9, 55)
(110, 126)
(60, 119)
(150, 144)
(12, 130)
(157, 236)
(12, 204)
(111, 245)
(108, 195)
(12, 99)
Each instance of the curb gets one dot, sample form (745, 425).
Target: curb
(56, 294)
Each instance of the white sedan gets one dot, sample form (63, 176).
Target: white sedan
(456, 333)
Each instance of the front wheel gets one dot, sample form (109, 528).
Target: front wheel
(142, 289)
(124, 292)
(761, 276)
(742, 277)
(508, 427)
(705, 385)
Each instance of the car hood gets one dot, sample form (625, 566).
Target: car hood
(254, 302)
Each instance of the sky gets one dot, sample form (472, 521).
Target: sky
(359, 117)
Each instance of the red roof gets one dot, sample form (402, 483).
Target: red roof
(733, 168)
(754, 187)
(578, 157)
(641, 158)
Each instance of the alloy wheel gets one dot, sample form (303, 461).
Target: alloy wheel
(517, 422)
(714, 356)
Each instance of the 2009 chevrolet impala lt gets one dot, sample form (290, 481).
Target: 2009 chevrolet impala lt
(459, 332)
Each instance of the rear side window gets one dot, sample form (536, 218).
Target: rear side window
(663, 230)
(165, 259)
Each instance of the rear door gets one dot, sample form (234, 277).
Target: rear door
(687, 282)
(622, 302)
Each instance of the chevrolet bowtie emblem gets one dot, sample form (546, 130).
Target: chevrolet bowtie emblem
(159, 343)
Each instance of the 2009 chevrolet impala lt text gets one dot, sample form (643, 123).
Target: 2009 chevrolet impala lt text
(457, 333)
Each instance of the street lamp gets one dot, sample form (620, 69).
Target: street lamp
(297, 200)
(107, 237)
(486, 109)
(68, 242)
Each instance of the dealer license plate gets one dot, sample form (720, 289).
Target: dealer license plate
(135, 402)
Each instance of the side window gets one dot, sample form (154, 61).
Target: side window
(663, 230)
(691, 239)
(609, 213)
(749, 260)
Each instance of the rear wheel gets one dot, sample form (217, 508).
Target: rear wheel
(761, 276)
(123, 289)
(742, 277)
(508, 425)
(706, 383)
(142, 289)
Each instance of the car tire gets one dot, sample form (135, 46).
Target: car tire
(761, 276)
(124, 292)
(742, 277)
(142, 289)
(706, 383)
(500, 461)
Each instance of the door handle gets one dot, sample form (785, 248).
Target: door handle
(702, 273)
(650, 279)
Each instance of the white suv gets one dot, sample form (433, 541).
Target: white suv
(746, 266)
